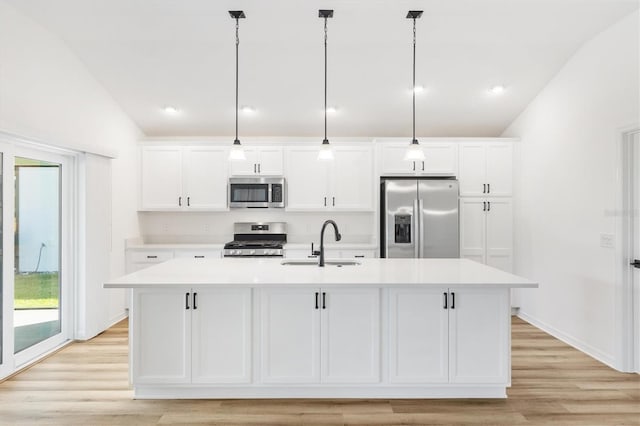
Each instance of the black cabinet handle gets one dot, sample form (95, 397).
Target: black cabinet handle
(152, 257)
(334, 201)
(195, 295)
(317, 295)
(188, 201)
(255, 170)
(414, 166)
(484, 188)
(359, 255)
(488, 188)
(484, 206)
(453, 300)
(325, 201)
(186, 301)
(635, 263)
(199, 257)
(259, 168)
(423, 166)
(180, 201)
(445, 300)
(324, 300)
(488, 206)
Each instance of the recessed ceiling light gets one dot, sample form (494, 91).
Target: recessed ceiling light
(247, 109)
(332, 110)
(170, 110)
(497, 90)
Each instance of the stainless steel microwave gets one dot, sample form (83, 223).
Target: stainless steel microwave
(256, 192)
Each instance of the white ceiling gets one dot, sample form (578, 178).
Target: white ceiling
(151, 53)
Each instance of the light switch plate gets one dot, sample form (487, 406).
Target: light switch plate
(607, 240)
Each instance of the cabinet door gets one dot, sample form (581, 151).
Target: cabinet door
(221, 334)
(270, 162)
(289, 336)
(306, 180)
(472, 174)
(350, 330)
(479, 341)
(352, 179)
(439, 159)
(248, 167)
(392, 160)
(160, 337)
(499, 234)
(473, 229)
(205, 178)
(499, 169)
(161, 178)
(418, 336)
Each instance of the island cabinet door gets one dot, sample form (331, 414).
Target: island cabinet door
(350, 330)
(221, 335)
(290, 335)
(418, 335)
(161, 336)
(479, 324)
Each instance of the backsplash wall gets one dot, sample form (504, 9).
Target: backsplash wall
(217, 227)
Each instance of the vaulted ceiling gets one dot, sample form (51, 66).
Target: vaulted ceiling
(154, 53)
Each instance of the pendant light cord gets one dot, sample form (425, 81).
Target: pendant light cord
(413, 88)
(325, 79)
(237, 44)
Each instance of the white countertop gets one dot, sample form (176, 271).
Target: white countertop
(256, 272)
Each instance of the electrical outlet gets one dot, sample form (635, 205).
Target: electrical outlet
(607, 240)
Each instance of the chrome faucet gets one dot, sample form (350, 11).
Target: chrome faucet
(338, 237)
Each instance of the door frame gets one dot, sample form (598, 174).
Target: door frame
(627, 320)
(12, 146)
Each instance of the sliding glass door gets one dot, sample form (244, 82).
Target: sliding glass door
(37, 252)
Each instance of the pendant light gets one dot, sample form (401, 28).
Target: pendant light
(414, 151)
(237, 151)
(325, 153)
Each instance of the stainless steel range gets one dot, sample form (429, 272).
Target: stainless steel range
(257, 239)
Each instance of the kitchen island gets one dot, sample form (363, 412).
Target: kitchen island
(383, 328)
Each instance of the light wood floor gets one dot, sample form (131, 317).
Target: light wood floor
(86, 383)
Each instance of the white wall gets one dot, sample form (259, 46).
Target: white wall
(46, 93)
(565, 179)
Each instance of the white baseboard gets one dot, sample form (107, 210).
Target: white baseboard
(594, 353)
(114, 320)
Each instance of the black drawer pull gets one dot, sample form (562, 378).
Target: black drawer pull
(152, 256)
(195, 295)
(180, 201)
(488, 188)
(484, 188)
(445, 300)
(324, 300)
(199, 257)
(317, 295)
(186, 301)
(453, 300)
(359, 255)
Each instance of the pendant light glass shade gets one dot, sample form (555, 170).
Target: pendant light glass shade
(237, 152)
(326, 152)
(414, 152)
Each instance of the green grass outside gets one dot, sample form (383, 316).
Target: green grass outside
(36, 291)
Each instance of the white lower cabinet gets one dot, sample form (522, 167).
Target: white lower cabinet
(320, 335)
(191, 336)
(449, 335)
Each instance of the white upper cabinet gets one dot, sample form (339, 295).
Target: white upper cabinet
(441, 159)
(183, 178)
(345, 183)
(262, 161)
(161, 177)
(486, 169)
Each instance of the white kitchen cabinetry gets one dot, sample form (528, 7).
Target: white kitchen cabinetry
(346, 183)
(263, 161)
(191, 336)
(449, 335)
(486, 231)
(179, 178)
(320, 335)
(486, 169)
(441, 159)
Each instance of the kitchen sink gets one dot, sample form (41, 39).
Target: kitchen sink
(312, 262)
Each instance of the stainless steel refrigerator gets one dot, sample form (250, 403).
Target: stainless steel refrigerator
(419, 217)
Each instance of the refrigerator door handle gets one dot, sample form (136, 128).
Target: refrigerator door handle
(416, 232)
(421, 236)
